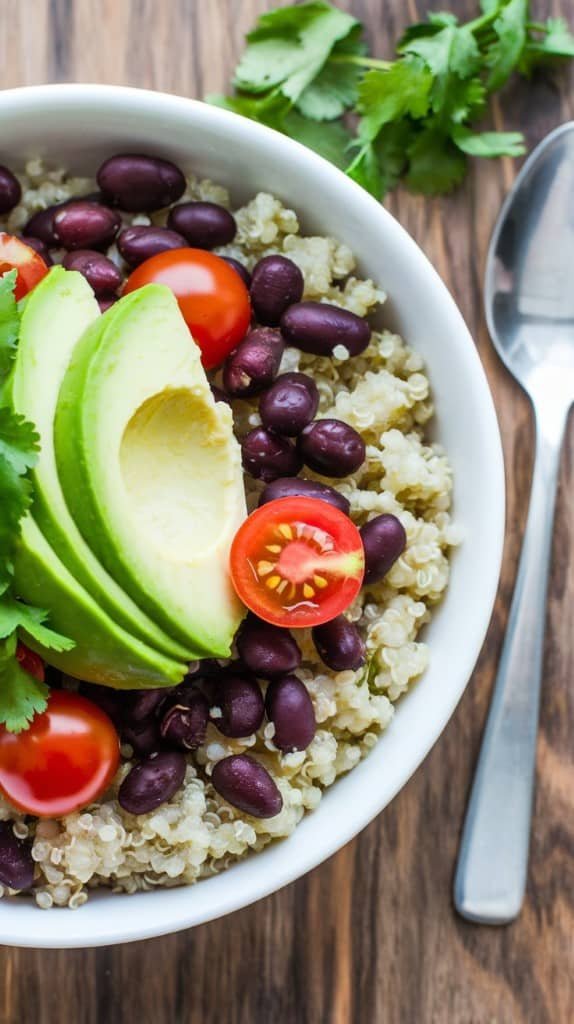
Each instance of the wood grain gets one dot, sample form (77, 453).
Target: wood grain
(371, 935)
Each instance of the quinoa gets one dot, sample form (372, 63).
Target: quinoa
(384, 394)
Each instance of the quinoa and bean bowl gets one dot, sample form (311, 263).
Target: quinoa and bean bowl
(342, 557)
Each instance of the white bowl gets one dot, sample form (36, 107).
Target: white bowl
(77, 126)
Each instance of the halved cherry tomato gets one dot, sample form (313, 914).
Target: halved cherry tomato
(63, 762)
(211, 295)
(297, 562)
(15, 255)
(30, 662)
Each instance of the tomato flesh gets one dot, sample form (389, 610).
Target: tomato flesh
(30, 662)
(15, 255)
(64, 761)
(297, 562)
(211, 295)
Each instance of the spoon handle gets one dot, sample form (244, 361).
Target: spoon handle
(491, 872)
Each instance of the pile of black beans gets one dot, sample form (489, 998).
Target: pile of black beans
(86, 226)
(162, 726)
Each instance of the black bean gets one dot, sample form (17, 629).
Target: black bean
(41, 225)
(184, 721)
(267, 650)
(254, 364)
(139, 243)
(240, 269)
(384, 540)
(140, 183)
(16, 864)
(38, 246)
(339, 644)
(318, 327)
(241, 703)
(10, 191)
(152, 782)
(143, 704)
(331, 447)
(247, 785)
(143, 737)
(112, 702)
(106, 301)
(276, 284)
(267, 457)
(204, 225)
(83, 225)
(290, 708)
(101, 274)
(294, 486)
(289, 404)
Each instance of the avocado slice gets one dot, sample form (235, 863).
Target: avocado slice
(54, 316)
(151, 469)
(104, 652)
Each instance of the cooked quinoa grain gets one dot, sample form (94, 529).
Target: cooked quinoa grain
(384, 394)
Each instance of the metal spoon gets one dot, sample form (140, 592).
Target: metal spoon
(529, 298)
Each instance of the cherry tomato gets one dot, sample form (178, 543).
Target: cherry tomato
(297, 562)
(15, 255)
(64, 761)
(211, 295)
(30, 662)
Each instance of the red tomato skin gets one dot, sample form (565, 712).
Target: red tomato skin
(15, 255)
(30, 662)
(64, 761)
(250, 547)
(212, 297)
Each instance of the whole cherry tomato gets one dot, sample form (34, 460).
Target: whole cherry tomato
(63, 761)
(211, 295)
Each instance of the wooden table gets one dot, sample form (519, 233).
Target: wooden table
(371, 935)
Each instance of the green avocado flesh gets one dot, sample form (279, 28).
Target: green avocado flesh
(54, 316)
(104, 653)
(150, 468)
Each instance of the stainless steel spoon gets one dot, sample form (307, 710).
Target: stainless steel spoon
(529, 297)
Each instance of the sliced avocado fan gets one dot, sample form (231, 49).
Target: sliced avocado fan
(104, 652)
(151, 469)
(54, 316)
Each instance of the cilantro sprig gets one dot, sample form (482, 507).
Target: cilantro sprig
(21, 695)
(306, 68)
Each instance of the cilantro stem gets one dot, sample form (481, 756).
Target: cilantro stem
(362, 62)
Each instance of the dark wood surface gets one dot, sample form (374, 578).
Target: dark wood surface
(371, 936)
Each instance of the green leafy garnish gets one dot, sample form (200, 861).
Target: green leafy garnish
(305, 68)
(21, 695)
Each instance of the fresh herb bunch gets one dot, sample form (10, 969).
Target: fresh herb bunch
(305, 67)
(21, 695)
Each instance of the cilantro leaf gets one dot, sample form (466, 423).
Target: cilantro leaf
(19, 441)
(556, 41)
(9, 321)
(16, 615)
(21, 695)
(15, 498)
(289, 47)
(488, 144)
(505, 53)
(269, 110)
(452, 51)
(334, 90)
(366, 171)
(435, 163)
(329, 139)
(388, 95)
